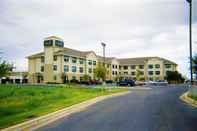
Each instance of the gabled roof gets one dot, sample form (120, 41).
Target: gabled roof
(53, 37)
(73, 52)
(37, 55)
(141, 60)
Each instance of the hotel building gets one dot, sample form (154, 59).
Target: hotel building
(58, 63)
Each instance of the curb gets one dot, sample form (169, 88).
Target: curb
(188, 100)
(51, 117)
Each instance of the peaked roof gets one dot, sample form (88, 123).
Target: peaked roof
(53, 37)
(141, 60)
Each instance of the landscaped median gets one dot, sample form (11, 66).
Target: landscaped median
(190, 97)
(23, 103)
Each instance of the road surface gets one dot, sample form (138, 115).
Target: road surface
(158, 109)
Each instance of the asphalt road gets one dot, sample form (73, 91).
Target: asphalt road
(158, 109)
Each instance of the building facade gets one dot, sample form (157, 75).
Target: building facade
(56, 64)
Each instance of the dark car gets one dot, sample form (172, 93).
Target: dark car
(109, 81)
(126, 83)
(95, 82)
(85, 82)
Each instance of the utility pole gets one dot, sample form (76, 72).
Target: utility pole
(104, 45)
(190, 39)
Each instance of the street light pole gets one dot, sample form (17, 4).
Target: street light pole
(104, 45)
(190, 39)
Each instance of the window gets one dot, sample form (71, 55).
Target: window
(125, 67)
(90, 70)
(89, 62)
(132, 73)
(94, 62)
(157, 72)
(119, 67)
(74, 60)
(168, 66)
(66, 68)
(132, 66)
(55, 67)
(113, 73)
(116, 72)
(116, 66)
(126, 73)
(81, 69)
(74, 69)
(108, 65)
(73, 77)
(150, 73)
(55, 58)
(42, 69)
(55, 77)
(150, 66)
(81, 61)
(48, 43)
(59, 43)
(66, 58)
(42, 59)
(113, 66)
(141, 66)
(157, 66)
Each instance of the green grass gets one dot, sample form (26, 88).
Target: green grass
(193, 93)
(21, 103)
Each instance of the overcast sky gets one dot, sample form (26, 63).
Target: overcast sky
(130, 28)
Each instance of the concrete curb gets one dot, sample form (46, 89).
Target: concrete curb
(188, 100)
(51, 117)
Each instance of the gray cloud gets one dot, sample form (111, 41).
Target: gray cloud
(130, 28)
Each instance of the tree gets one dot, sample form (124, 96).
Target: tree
(5, 68)
(86, 77)
(194, 62)
(174, 77)
(100, 72)
(139, 74)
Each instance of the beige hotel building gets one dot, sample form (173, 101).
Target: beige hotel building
(58, 63)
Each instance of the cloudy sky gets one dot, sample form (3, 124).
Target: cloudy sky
(131, 28)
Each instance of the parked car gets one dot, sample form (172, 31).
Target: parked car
(95, 82)
(126, 83)
(109, 81)
(139, 83)
(74, 81)
(85, 82)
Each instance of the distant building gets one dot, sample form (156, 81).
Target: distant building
(15, 77)
(57, 63)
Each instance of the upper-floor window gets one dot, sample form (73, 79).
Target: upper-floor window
(126, 73)
(42, 59)
(90, 70)
(74, 60)
(66, 58)
(59, 43)
(120, 67)
(141, 66)
(55, 58)
(48, 43)
(150, 73)
(133, 73)
(168, 66)
(81, 69)
(113, 73)
(42, 69)
(157, 72)
(116, 73)
(157, 66)
(133, 66)
(125, 67)
(150, 66)
(89, 62)
(74, 69)
(113, 66)
(116, 66)
(55, 67)
(94, 62)
(66, 68)
(81, 61)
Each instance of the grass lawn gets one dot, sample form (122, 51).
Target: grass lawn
(193, 93)
(21, 103)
